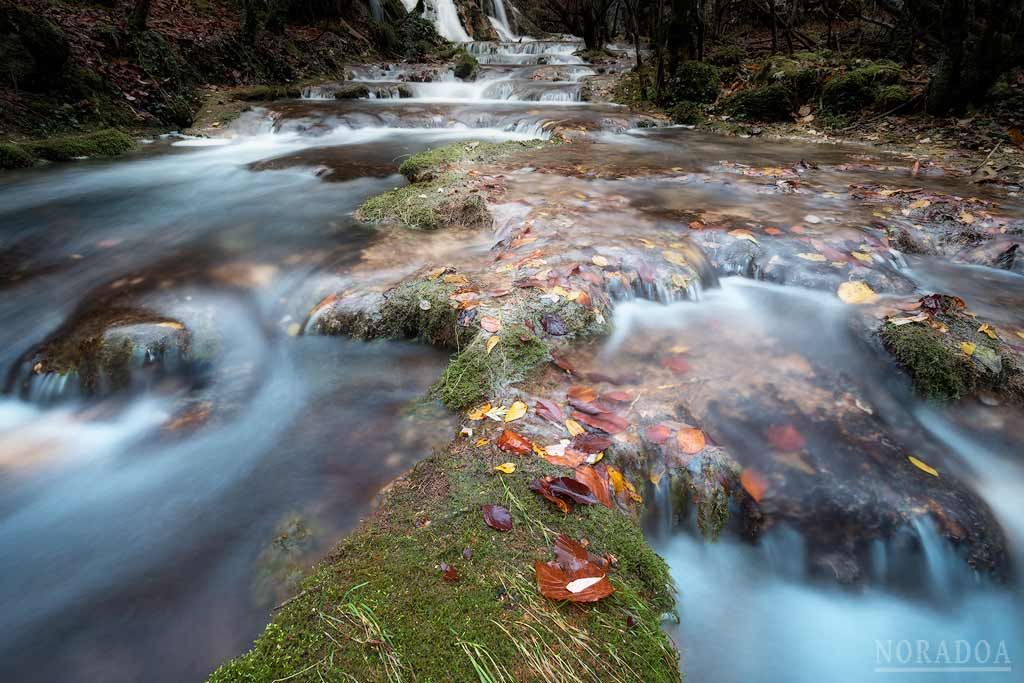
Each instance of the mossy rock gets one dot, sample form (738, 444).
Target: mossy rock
(465, 66)
(34, 52)
(800, 78)
(727, 54)
(378, 608)
(352, 91)
(687, 114)
(421, 310)
(430, 205)
(890, 97)
(268, 93)
(104, 143)
(15, 156)
(693, 82)
(859, 88)
(939, 367)
(766, 103)
(428, 164)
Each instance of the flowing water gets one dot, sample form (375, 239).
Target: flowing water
(147, 532)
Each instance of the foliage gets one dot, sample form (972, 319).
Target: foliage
(693, 82)
(687, 113)
(103, 143)
(858, 88)
(465, 66)
(15, 156)
(767, 103)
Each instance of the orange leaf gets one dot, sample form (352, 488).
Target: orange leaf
(511, 442)
(753, 483)
(586, 585)
(490, 324)
(598, 484)
(690, 440)
(786, 438)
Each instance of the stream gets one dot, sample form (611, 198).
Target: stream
(149, 531)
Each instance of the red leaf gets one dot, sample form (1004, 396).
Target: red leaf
(562, 362)
(617, 397)
(753, 483)
(590, 443)
(583, 398)
(497, 517)
(490, 324)
(572, 489)
(658, 434)
(606, 422)
(554, 583)
(786, 438)
(549, 410)
(448, 573)
(511, 442)
(542, 487)
(676, 363)
(690, 440)
(597, 483)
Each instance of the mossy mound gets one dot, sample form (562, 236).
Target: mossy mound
(378, 604)
(352, 91)
(465, 66)
(475, 373)
(428, 164)
(15, 156)
(767, 103)
(33, 51)
(104, 143)
(422, 310)
(687, 114)
(727, 54)
(800, 77)
(934, 353)
(429, 205)
(268, 93)
(858, 88)
(892, 96)
(693, 82)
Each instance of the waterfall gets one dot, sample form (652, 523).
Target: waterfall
(376, 10)
(447, 22)
(500, 21)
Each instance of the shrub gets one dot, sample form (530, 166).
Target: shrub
(767, 103)
(687, 113)
(693, 82)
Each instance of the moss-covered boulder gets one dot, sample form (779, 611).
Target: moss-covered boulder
(103, 143)
(693, 82)
(465, 66)
(727, 54)
(352, 91)
(858, 88)
(268, 93)
(33, 51)
(440, 202)
(766, 103)
(890, 97)
(687, 114)
(801, 77)
(429, 164)
(951, 355)
(15, 156)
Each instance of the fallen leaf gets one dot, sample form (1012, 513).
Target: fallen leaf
(510, 442)
(967, 218)
(675, 258)
(861, 256)
(492, 341)
(919, 204)
(753, 483)
(739, 233)
(554, 583)
(572, 489)
(490, 324)
(448, 573)
(479, 413)
(923, 466)
(919, 318)
(968, 348)
(856, 292)
(548, 410)
(591, 443)
(676, 363)
(785, 438)
(543, 488)
(506, 467)
(810, 256)
(497, 517)
(597, 483)
(989, 330)
(609, 423)
(812, 219)
(690, 440)
(455, 279)
(772, 231)
(599, 261)
(657, 433)
(574, 427)
(516, 411)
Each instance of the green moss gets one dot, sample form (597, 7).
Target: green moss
(767, 103)
(352, 91)
(687, 113)
(938, 372)
(891, 96)
(104, 143)
(427, 164)
(465, 66)
(268, 93)
(693, 82)
(858, 88)
(15, 156)
(473, 373)
(421, 310)
(414, 626)
(800, 77)
(428, 205)
(727, 54)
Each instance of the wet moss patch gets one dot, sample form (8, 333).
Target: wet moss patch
(858, 88)
(428, 205)
(421, 310)
(268, 93)
(378, 604)
(767, 103)
(15, 156)
(353, 91)
(428, 164)
(465, 66)
(104, 143)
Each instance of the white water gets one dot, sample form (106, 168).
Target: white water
(447, 22)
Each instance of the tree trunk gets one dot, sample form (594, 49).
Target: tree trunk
(140, 15)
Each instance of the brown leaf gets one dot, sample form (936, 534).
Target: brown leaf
(690, 440)
(510, 442)
(583, 398)
(549, 410)
(617, 396)
(572, 489)
(606, 422)
(590, 442)
(657, 433)
(490, 324)
(543, 488)
(586, 585)
(676, 363)
(562, 362)
(448, 573)
(497, 517)
(785, 437)
(597, 481)
(753, 483)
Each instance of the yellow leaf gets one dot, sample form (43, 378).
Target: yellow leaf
(861, 256)
(492, 341)
(599, 261)
(506, 467)
(455, 279)
(178, 326)
(924, 467)
(987, 329)
(294, 329)
(967, 218)
(482, 442)
(516, 411)
(856, 292)
(479, 413)
(574, 427)
(679, 281)
(675, 258)
(811, 256)
(435, 273)
(1020, 333)
(919, 204)
(968, 348)
(595, 458)
(742, 234)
